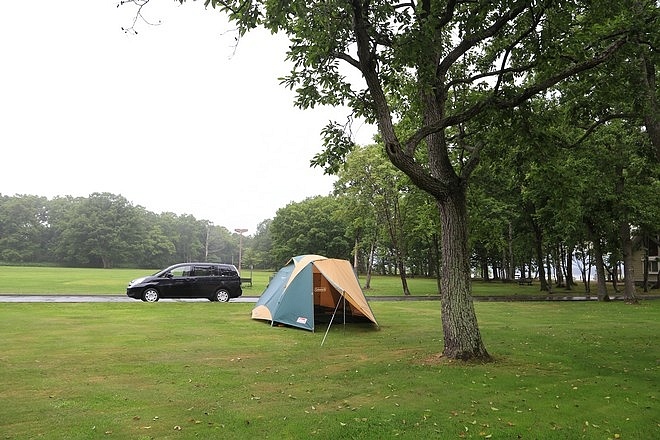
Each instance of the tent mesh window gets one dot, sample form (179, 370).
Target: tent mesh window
(327, 300)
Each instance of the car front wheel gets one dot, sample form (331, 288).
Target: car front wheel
(221, 295)
(150, 295)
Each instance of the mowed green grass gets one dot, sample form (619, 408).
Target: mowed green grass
(62, 280)
(176, 370)
(59, 280)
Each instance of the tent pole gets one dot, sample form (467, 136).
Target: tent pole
(332, 319)
(344, 298)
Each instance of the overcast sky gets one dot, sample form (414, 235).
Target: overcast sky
(172, 118)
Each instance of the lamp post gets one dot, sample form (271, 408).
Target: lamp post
(240, 231)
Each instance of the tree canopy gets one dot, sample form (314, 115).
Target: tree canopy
(435, 77)
(105, 230)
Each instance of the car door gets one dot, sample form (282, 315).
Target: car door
(205, 280)
(230, 280)
(181, 283)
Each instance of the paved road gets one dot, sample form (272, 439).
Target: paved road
(17, 298)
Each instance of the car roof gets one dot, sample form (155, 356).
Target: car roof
(201, 263)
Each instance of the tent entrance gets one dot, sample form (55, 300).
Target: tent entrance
(329, 301)
(313, 288)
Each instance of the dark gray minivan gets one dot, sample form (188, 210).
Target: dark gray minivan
(215, 281)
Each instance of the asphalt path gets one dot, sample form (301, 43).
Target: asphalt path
(19, 298)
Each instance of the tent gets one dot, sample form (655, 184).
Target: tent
(313, 288)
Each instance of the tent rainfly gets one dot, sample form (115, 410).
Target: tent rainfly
(313, 288)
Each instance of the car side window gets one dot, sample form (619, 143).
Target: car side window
(182, 271)
(227, 272)
(204, 271)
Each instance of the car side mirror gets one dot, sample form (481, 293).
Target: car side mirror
(169, 275)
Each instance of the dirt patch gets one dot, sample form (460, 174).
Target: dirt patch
(440, 359)
(437, 359)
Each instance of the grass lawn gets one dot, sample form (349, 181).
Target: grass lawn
(58, 280)
(206, 370)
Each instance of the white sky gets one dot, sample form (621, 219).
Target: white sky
(170, 118)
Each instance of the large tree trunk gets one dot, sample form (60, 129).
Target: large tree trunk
(601, 283)
(628, 272)
(438, 262)
(511, 266)
(548, 262)
(570, 280)
(558, 260)
(645, 266)
(651, 109)
(395, 230)
(462, 338)
(585, 268)
(402, 275)
(538, 248)
(614, 275)
(107, 262)
(370, 265)
(484, 270)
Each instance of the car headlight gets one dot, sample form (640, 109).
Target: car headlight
(136, 281)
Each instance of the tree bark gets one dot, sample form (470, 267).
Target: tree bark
(402, 275)
(511, 266)
(462, 339)
(651, 108)
(548, 262)
(614, 275)
(558, 261)
(370, 265)
(570, 280)
(438, 262)
(601, 284)
(107, 262)
(585, 269)
(628, 272)
(645, 275)
(538, 247)
(484, 270)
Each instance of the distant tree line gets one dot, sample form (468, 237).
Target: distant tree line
(105, 230)
(533, 213)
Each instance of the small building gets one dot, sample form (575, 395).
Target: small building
(643, 249)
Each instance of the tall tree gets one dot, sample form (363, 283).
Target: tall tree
(445, 65)
(309, 227)
(96, 231)
(154, 248)
(188, 235)
(23, 228)
(379, 187)
(258, 248)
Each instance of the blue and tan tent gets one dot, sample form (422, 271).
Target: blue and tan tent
(313, 288)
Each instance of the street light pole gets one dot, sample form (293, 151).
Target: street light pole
(240, 231)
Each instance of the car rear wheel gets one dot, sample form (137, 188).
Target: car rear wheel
(221, 295)
(150, 295)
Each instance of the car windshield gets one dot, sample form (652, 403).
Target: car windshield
(161, 273)
(177, 271)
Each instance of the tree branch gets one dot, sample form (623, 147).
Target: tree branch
(471, 40)
(600, 122)
(138, 15)
(521, 97)
(551, 81)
